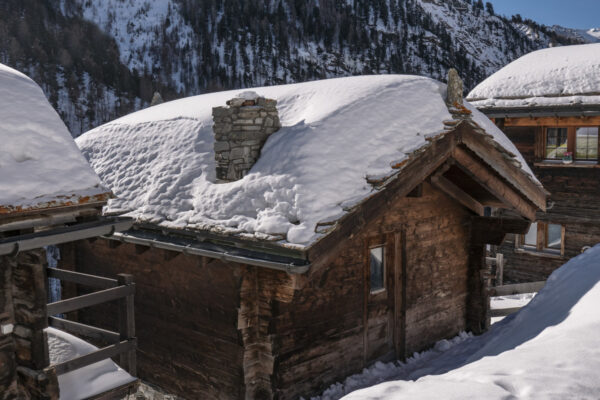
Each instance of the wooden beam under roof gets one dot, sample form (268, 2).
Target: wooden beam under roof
(504, 166)
(553, 121)
(478, 171)
(456, 193)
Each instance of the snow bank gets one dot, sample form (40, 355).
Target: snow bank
(160, 161)
(88, 381)
(39, 162)
(548, 77)
(548, 350)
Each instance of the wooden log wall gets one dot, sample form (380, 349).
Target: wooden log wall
(219, 331)
(186, 310)
(325, 333)
(575, 203)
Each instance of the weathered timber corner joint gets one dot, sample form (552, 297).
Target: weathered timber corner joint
(241, 130)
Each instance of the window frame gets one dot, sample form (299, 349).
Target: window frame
(376, 245)
(541, 246)
(571, 144)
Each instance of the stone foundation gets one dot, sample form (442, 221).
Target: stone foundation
(23, 343)
(241, 130)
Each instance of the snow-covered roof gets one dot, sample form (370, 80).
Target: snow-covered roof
(558, 76)
(336, 133)
(40, 165)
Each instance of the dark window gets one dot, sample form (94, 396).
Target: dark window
(377, 260)
(586, 145)
(556, 143)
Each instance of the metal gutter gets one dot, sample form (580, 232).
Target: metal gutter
(106, 226)
(223, 255)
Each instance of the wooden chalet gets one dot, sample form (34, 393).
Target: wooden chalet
(548, 104)
(238, 316)
(48, 195)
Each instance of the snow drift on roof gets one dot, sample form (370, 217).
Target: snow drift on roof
(549, 77)
(548, 350)
(39, 161)
(160, 161)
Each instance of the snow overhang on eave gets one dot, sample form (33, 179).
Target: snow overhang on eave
(64, 234)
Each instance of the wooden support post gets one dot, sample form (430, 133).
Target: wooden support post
(127, 325)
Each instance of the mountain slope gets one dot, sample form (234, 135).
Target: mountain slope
(97, 60)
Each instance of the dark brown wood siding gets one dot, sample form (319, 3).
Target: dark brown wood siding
(320, 335)
(186, 316)
(574, 202)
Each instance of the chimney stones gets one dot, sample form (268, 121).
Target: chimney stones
(455, 89)
(241, 129)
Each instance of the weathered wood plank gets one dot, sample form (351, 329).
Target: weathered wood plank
(81, 279)
(503, 312)
(88, 331)
(88, 300)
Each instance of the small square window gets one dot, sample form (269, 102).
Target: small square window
(377, 260)
(554, 237)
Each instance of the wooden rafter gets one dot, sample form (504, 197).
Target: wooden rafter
(456, 193)
(481, 173)
(511, 173)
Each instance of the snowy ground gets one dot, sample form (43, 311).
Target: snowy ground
(550, 349)
(87, 381)
(515, 300)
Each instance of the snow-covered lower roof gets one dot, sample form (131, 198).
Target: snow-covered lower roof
(40, 165)
(558, 76)
(336, 133)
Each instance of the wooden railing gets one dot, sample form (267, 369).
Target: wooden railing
(122, 343)
(507, 290)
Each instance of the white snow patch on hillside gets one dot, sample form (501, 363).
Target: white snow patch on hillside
(558, 75)
(87, 381)
(160, 161)
(39, 160)
(548, 350)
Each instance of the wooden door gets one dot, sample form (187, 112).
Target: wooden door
(382, 296)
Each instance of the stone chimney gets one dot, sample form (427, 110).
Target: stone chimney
(241, 130)
(454, 96)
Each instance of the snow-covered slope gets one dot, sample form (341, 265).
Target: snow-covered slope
(548, 350)
(40, 165)
(336, 133)
(581, 35)
(556, 76)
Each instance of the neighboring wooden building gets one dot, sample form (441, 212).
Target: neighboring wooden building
(48, 195)
(234, 313)
(548, 104)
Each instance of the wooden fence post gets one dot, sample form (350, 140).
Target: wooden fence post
(127, 325)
